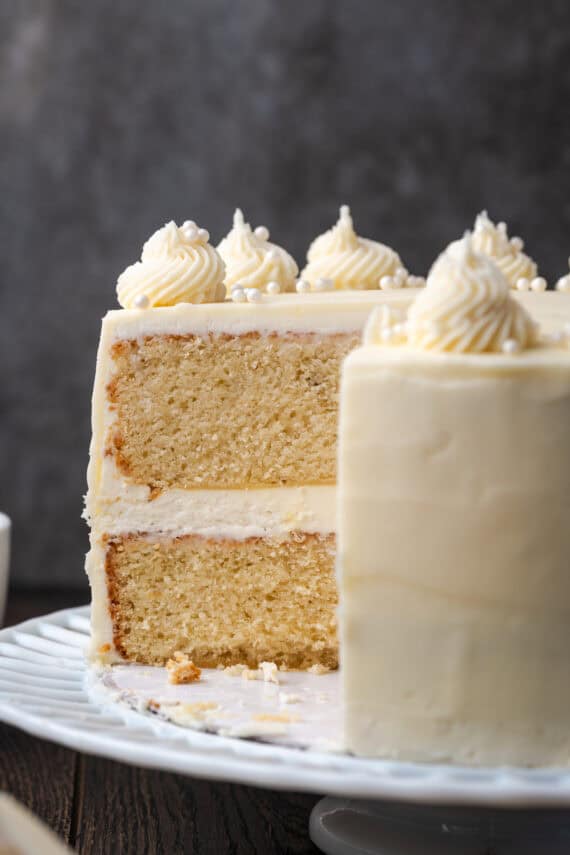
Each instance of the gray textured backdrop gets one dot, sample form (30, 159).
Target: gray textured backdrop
(116, 116)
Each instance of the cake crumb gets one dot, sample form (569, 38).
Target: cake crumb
(199, 707)
(105, 648)
(289, 698)
(250, 673)
(269, 671)
(181, 669)
(318, 669)
(234, 670)
(285, 718)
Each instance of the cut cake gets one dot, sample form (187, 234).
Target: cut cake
(211, 483)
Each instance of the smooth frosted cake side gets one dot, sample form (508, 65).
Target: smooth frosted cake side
(454, 501)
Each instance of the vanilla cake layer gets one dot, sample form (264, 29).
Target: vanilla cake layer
(219, 411)
(454, 500)
(222, 601)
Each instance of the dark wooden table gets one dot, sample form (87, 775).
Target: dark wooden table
(100, 806)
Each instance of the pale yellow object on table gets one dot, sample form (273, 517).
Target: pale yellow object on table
(22, 833)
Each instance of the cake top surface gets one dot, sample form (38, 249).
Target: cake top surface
(252, 261)
(343, 260)
(178, 265)
(467, 308)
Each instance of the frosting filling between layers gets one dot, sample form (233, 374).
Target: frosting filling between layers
(237, 514)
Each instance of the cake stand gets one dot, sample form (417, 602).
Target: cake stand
(373, 806)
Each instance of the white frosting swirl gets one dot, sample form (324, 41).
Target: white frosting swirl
(252, 261)
(492, 240)
(351, 262)
(466, 307)
(177, 265)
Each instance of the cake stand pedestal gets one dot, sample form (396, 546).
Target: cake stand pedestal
(353, 827)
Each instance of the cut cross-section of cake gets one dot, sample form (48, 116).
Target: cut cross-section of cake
(211, 484)
(213, 460)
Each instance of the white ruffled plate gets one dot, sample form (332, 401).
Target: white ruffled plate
(44, 690)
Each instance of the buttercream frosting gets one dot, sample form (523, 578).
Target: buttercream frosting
(252, 261)
(350, 261)
(507, 253)
(466, 307)
(178, 265)
(453, 542)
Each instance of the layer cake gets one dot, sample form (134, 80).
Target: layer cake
(211, 484)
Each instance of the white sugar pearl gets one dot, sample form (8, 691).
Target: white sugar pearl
(190, 232)
(302, 286)
(262, 233)
(204, 235)
(517, 243)
(141, 302)
(253, 295)
(419, 282)
(273, 288)
(538, 284)
(523, 284)
(238, 294)
(324, 284)
(563, 284)
(511, 346)
(502, 227)
(387, 282)
(189, 224)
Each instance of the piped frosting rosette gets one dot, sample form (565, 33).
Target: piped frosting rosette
(466, 307)
(346, 261)
(252, 261)
(507, 253)
(178, 265)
